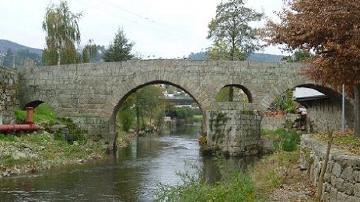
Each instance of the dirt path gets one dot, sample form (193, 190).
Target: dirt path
(296, 187)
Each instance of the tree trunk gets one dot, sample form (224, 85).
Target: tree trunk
(137, 111)
(231, 94)
(59, 57)
(324, 166)
(357, 110)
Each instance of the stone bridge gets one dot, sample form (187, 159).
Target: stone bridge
(91, 94)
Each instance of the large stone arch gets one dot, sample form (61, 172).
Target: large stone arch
(123, 95)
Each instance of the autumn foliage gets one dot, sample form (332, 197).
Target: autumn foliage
(330, 29)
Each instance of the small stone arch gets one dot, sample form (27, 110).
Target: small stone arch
(33, 104)
(238, 86)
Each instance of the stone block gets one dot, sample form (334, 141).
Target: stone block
(347, 174)
(336, 170)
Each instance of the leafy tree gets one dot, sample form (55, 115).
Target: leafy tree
(234, 38)
(127, 113)
(299, 56)
(330, 29)
(285, 102)
(62, 29)
(89, 52)
(145, 106)
(120, 49)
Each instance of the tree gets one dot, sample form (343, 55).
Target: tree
(231, 32)
(120, 49)
(299, 56)
(234, 38)
(62, 29)
(330, 29)
(89, 52)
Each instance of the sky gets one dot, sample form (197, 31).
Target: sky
(159, 28)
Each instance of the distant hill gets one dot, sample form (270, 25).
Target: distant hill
(15, 47)
(19, 54)
(258, 57)
(261, 57)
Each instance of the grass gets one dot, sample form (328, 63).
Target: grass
(42, 151)
(345, 141)
(236, 186)
(271, 172)
(197, 118)
(43, 114)
(7, 138)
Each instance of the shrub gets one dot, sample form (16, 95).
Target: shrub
(284, 139)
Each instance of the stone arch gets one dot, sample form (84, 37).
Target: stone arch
(238, 86)
(33, 104)
(323, 111)
(115, 109)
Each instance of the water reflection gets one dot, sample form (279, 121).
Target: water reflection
(132, 175)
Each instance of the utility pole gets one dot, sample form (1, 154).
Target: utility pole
(343, 109)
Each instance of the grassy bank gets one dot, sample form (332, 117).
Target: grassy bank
(60, 143)
(41, 151)
(259, 183)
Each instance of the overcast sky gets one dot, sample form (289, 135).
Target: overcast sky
(163, 28)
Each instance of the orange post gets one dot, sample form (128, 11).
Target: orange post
(29, 115)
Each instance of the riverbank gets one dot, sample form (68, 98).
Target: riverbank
(275, 177)
(31, 153)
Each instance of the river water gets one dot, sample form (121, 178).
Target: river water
(132, 175)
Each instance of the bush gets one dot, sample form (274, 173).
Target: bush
(75, 133)
(286, 140)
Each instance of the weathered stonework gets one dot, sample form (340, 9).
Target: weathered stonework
(275, 122)
(233, 132)
(91, 94)
(8, 101)
(326, 113)
(342, 177)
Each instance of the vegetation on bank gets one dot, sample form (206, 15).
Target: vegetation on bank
(46, 117)
(343, 140)
(40, 151)
(60, 142)
(255, 184)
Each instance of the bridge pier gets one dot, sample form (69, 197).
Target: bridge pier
(234, 132)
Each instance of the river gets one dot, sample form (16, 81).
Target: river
(132, 175)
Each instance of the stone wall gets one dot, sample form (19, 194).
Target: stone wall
(8, 101)
(275, 122)
(342, 178)
(233, 132)
(327, 112)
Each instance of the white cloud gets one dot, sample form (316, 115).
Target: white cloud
(165, 28)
